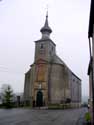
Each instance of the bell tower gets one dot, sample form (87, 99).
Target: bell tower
(44, 51)
(45, 47)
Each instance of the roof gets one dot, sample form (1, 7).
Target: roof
(91, 20)
(28, 72)
(90, 66)
(57, 60)
(47, 39)
(46, 27)
(76, 76)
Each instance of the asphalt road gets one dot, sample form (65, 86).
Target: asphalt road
(42, 117)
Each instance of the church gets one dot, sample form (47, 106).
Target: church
(49, 80)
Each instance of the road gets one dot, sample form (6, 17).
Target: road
(41, 117)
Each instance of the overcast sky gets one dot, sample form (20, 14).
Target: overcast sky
(20, 24)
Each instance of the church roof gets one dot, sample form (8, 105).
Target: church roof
(57, 60)
(46, 27)
(28, 72)
(45, 39)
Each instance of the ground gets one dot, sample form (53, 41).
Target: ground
(42, 117)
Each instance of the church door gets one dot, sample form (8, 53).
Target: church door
(39, 98)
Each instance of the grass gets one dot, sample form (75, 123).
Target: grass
(87, 117)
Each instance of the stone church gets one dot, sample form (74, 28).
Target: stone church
(50, 75)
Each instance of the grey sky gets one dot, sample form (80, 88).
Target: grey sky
(20, 23)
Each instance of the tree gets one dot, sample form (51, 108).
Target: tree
(7, 96)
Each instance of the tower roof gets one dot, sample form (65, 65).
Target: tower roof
(46, 27)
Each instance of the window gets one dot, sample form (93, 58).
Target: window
(52, 48)
(73, 80)
(41, 46)
(50, 52)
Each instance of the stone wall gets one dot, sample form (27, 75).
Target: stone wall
(59, 83)
(75, 89)
(44, 49)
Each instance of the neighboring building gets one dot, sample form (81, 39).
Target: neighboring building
(90, 86)
(91, 79)
(50, 75)
(91, 63)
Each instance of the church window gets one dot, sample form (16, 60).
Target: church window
(73, 80)
(41, 46)
(50, 52)
(52, 48)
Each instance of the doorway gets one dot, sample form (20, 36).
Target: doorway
(39, 98)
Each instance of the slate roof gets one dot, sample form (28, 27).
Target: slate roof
(57, 60)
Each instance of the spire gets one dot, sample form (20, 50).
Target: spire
(46, 30)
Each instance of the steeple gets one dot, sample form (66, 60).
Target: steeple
(46, 30)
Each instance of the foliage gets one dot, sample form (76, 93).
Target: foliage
(87, 117)
(7, 97)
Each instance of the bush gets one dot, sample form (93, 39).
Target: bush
(87, 117)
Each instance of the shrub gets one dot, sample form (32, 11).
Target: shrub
(87, 117)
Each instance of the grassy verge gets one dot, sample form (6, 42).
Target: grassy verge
(88, 117)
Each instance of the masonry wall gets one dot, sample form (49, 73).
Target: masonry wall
(59, 84)
(46, 52)
(27, 86)
(75, 85)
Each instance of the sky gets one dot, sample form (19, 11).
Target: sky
(20, 24)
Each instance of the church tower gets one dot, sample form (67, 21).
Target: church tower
(44, 51)
(45, 47)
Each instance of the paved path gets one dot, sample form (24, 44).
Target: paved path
(41, 117)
